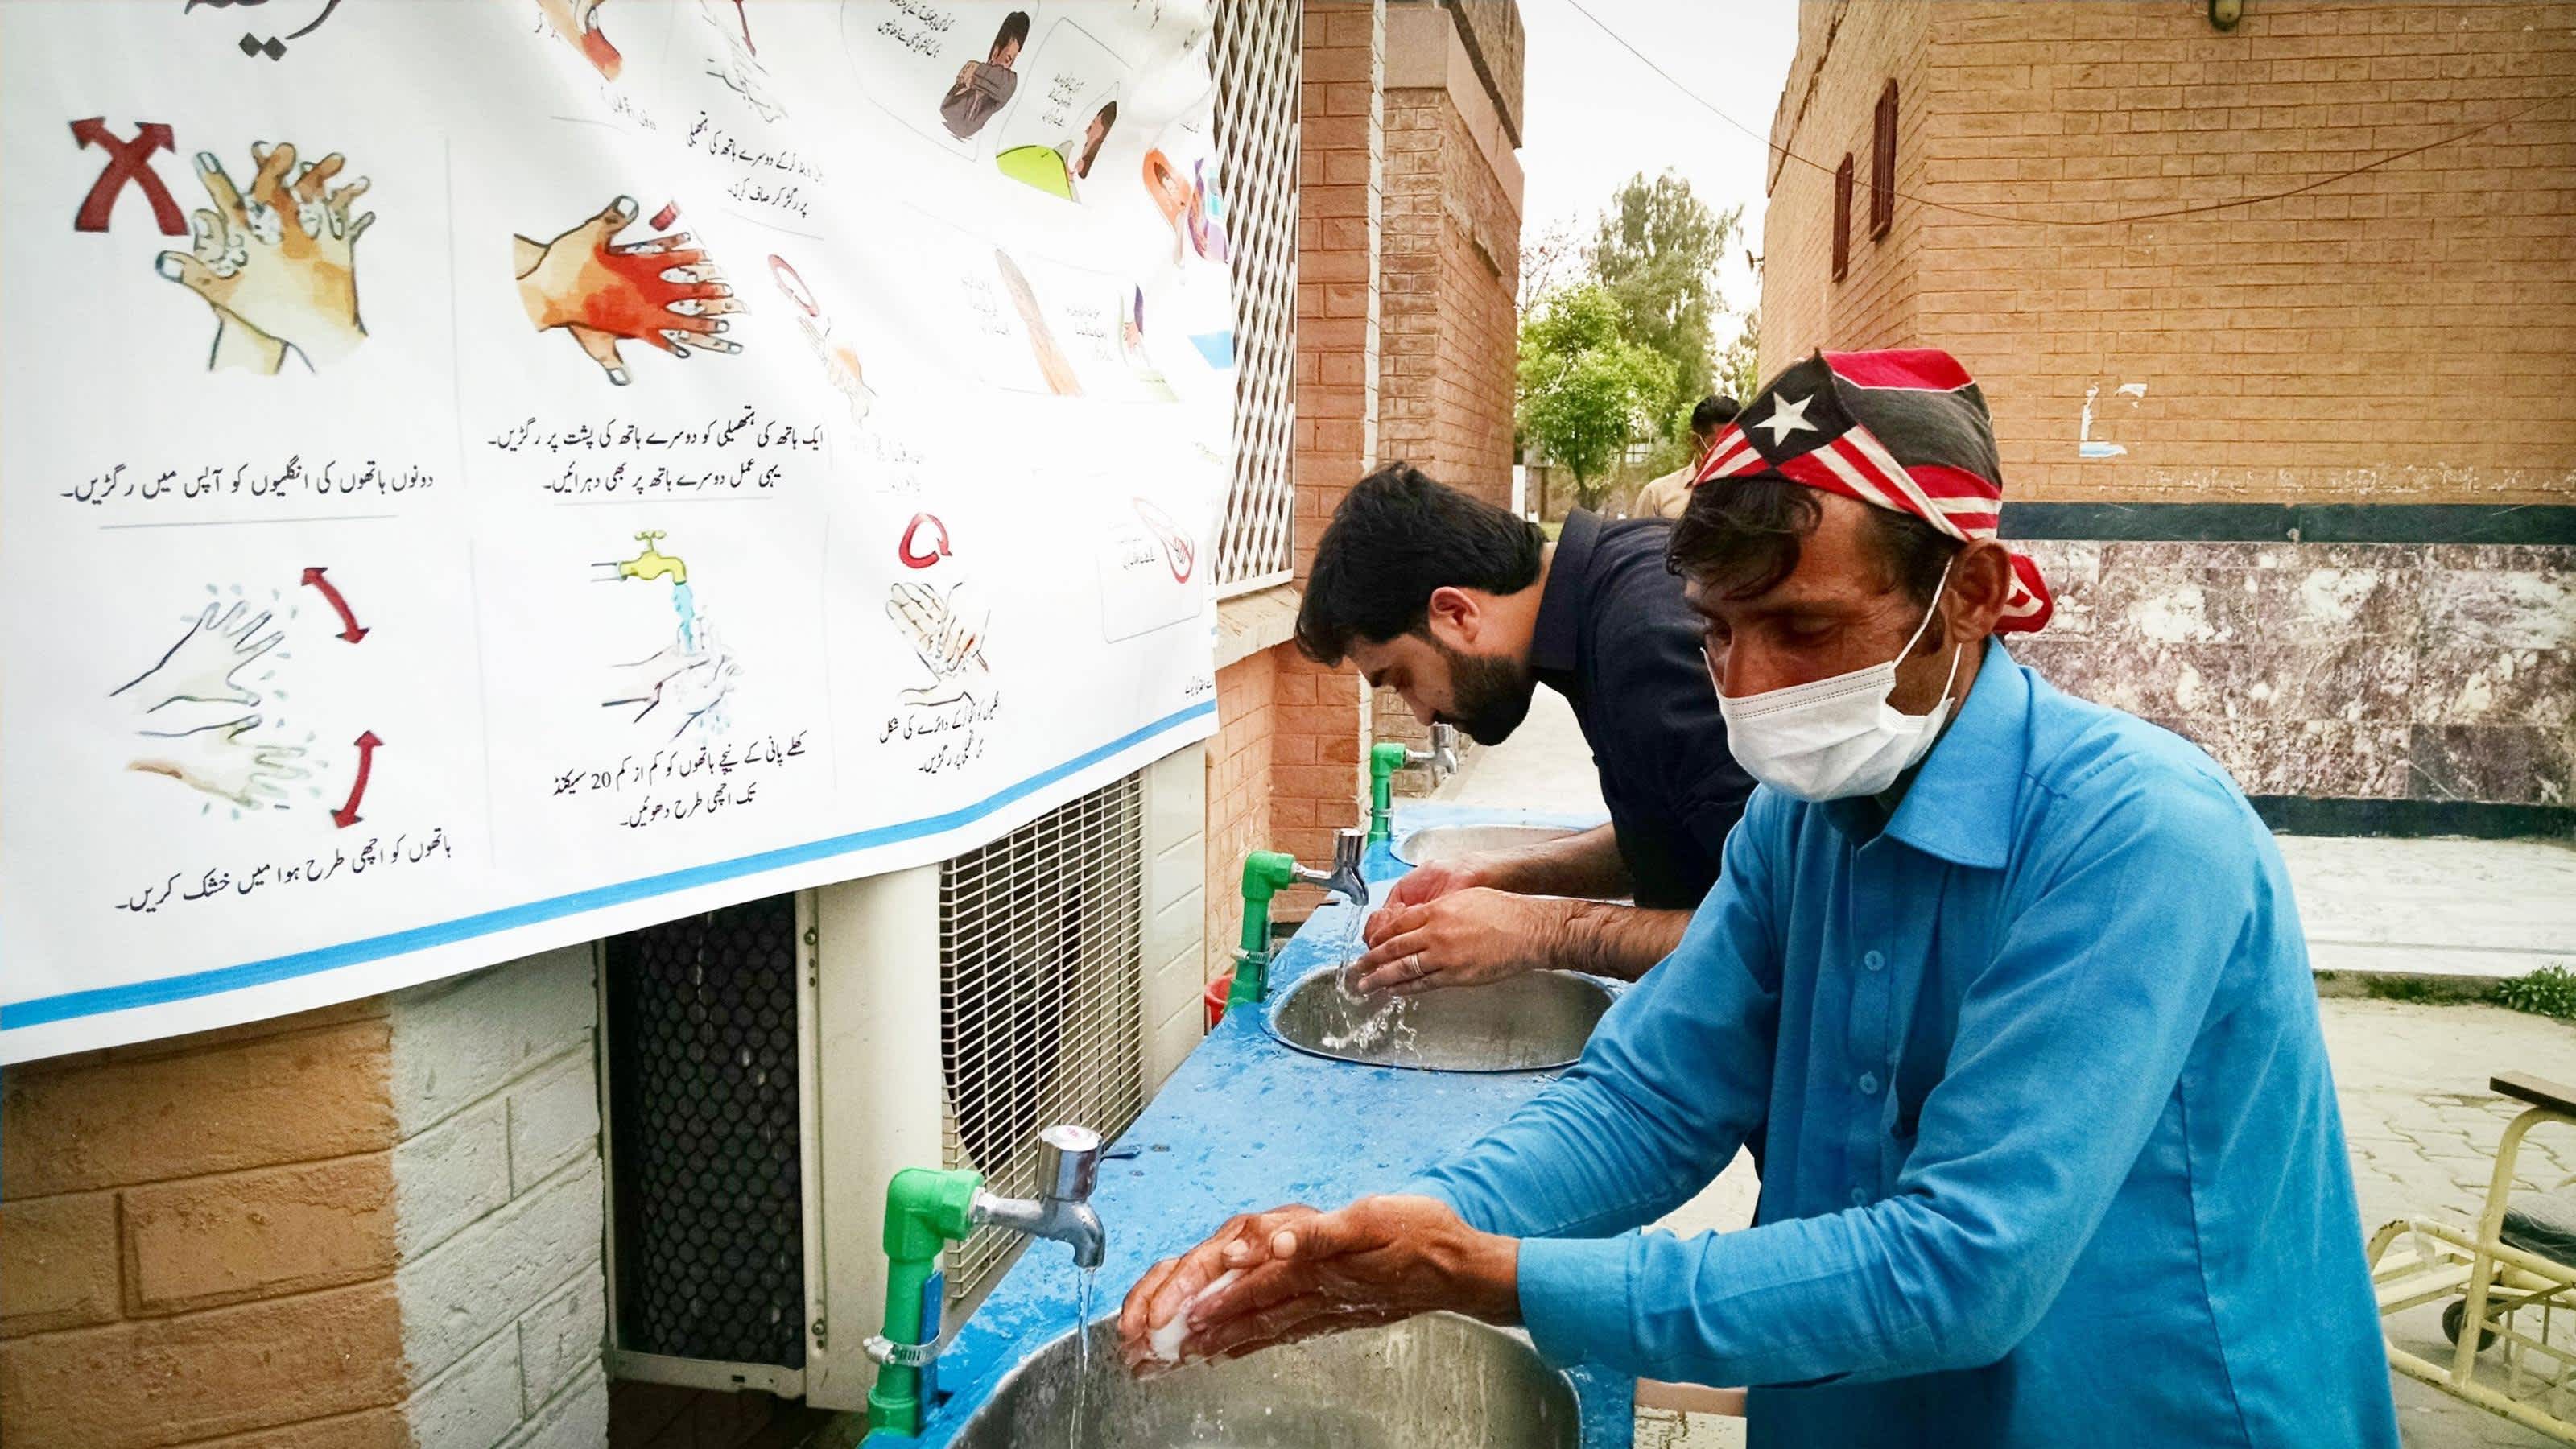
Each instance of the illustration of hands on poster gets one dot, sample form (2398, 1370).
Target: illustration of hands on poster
(661, 290)
(832, 341)
(733, 57)
(196, 713)
(276, 265)
(609, 56)
(680, 688)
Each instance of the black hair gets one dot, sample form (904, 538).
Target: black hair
(1396, 537)
(1713, 413)
(1015, 29)
(1742, 537)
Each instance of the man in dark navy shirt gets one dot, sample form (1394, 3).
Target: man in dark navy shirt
(1464, 609)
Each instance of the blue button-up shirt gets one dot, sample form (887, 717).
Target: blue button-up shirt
(2049, 1148)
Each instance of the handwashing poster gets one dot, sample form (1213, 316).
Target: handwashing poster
(483, 476)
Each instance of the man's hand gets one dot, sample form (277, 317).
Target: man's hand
(1465, 937)
(1426, 883)
(1301, 1271)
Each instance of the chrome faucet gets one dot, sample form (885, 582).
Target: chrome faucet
(1442, 757)
(1344, 878)
(1068, 1165)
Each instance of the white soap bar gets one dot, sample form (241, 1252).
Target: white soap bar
(1165, 1339)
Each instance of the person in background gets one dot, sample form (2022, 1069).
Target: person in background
(1664, 497)
(985, 86)
(2009, 987)
(1080, 151)
(1464, 610)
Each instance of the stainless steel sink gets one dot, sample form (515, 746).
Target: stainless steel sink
(1535, 1020)
(1448, 842)
(1435, 1382)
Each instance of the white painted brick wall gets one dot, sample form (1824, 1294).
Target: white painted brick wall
(498, 1200)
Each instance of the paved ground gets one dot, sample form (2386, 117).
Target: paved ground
(2411, 1077)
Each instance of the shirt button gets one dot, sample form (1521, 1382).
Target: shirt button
(1874, 961)
(1867, 1086)
(1859, 1196)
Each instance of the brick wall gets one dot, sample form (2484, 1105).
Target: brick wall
(1319, 720)
(1239, 794)
(2319, 347)
(1452, 265)
(2392, 337)
(1497, 44)
(372, 1225)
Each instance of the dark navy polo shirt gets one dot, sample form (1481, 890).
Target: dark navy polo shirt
(1615, 638)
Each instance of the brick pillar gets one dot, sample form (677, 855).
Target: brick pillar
(1322, 718)
(1450, 262)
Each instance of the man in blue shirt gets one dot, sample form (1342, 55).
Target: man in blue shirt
(2016, 1012)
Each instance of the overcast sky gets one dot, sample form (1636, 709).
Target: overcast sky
(1594, 114)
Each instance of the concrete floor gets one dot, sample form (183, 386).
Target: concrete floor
(2411, 1077)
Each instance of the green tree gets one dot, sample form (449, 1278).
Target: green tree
(1656, 254)
(1739, 366)
(1584, 388)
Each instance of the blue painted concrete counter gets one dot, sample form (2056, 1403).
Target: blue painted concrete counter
(1248, 1123)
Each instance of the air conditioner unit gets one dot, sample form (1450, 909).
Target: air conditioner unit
(766, 1069)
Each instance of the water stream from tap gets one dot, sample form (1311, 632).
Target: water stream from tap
(1081, 1348)
(1370, 1019)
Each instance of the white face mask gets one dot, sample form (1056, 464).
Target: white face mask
(1830, 739)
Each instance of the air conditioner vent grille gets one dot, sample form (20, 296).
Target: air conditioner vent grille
(704, 1136)
(1041, 944)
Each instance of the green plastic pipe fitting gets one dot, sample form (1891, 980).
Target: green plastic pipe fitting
(1265, 874)
(925, 1211)
(1384, 760)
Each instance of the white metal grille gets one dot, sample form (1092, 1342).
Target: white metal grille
(1041, 950)
(1257, 73)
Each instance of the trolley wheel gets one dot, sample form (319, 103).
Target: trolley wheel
(2456, 1317)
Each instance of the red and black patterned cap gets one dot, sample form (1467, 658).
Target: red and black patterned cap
(1905, 430)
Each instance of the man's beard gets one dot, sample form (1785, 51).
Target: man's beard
(1489, 697)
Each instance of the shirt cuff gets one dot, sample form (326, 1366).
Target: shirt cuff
(1574, 1298)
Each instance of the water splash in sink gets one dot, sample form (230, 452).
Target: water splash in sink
(1369, 1019)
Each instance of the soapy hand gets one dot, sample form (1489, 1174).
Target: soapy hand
(1458, 937)
(1274, 1277)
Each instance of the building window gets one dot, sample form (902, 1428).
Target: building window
(1882, 164)
(1842, 217)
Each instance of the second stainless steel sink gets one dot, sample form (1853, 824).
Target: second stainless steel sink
(1529, 1022)
(1448, 842)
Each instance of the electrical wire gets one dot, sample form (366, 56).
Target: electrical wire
(2192, 210)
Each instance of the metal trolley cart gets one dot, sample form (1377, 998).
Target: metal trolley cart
(2513, 1277)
